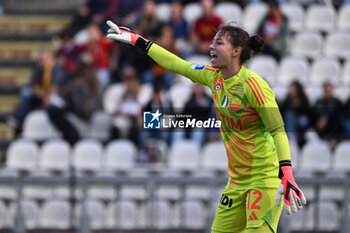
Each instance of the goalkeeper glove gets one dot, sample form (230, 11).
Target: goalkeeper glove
(294, 198)
(126, 35)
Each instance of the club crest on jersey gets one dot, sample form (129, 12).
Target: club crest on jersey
(197, 67)
(236, 104)
(217, 84)
(224, 102)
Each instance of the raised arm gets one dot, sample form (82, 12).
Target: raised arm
(197, 73)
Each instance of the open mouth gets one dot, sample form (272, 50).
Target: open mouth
(213, 56)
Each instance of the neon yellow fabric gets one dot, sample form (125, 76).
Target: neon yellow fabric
(282, 144)
(246, 106)
(246, 210)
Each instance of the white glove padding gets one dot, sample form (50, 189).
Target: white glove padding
(122, 34)
(294, 198)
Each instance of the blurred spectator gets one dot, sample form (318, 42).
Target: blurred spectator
(69, 52)
(180, 27)
(329, 116)
(148, 24)
(99, 48)
(296, 110)
(205, 27)
(128, 115)
(199, 106)
(161, 102)
(130, 11)
(275, 31)
(46, 74)
(158, 73)
(347, 115)
(1, 8)
(78, 95)
(94, 11)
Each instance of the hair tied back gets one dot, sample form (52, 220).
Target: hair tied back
(256, 43)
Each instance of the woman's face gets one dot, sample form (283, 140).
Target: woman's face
(222, 52)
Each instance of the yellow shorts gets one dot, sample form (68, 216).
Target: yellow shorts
(240, 209)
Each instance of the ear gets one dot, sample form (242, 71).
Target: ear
(236, 51)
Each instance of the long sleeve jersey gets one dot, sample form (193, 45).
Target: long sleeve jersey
(249, 115)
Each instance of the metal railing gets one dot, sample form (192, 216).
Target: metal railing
(153, 181)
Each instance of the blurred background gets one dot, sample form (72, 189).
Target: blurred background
(74, 156)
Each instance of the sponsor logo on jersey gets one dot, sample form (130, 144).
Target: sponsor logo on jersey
(197, 67)
(253, 217)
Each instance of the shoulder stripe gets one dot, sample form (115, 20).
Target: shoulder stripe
(256, 89)
(253, 92)
(212, 69)
(262, 93)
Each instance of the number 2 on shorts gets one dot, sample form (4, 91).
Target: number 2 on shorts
(254, 206)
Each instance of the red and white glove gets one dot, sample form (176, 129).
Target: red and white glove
(294, 198)
(126, 35)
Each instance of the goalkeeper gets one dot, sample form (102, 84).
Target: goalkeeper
(252, 129)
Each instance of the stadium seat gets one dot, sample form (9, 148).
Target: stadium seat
(192, 12)
(104, 192)
(344, 17)
(163, 12)
(316, 157)
(345, 75)
(184, 156)
(320, 17)
(94, 214)
(87, 155)
(253, 14)
(159, 214)
(168, 191)
(293, 68)
(23, 155)
(30, 214)
(133, 192)
(328, 216)
(295, 14)
(229, 12)
(307, 44)
(341, 157)
(294, 151)
(8, 192)
(55, 156)
(112, 97)
(146, 93)
(325, 69)
(337, 44)
(342, 92)
(194, 216)
(3, 212)
(37, 191)
(313, 93)
(55, 214)
(294, 221)
(100, 126)
(265, 66)
(213, 157)
(126, 214)
(37, 126)
(179, 95)
(120, 155)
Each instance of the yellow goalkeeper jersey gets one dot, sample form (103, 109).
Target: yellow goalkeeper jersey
(248, 111)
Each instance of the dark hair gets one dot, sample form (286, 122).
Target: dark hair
(239, 37)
